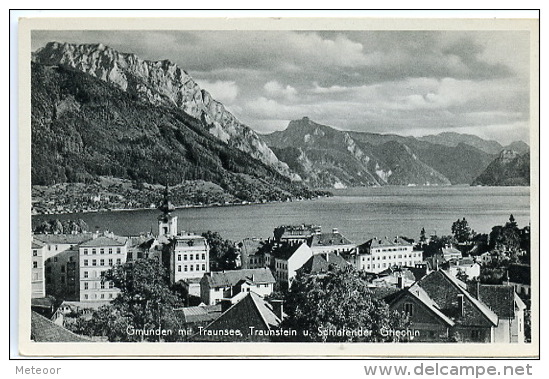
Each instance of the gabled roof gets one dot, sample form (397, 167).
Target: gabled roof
(37, 244)
(63, 239)
(286, 250)
(233, 277)
(318, 264)
(502, 299)
(103, 241)
(483, 308)
(328, 239)
(246, 312)
(44, 330)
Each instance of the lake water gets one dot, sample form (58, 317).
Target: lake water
(358, 213)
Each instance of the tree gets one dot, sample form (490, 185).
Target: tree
(145, 300)
(223, 253)
(338, 301)
(461, 230)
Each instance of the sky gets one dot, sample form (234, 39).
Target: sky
(403, 82)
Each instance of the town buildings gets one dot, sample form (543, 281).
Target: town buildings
(219, 285)
(378, 254)
(288, 258)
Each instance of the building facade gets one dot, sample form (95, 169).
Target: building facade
(95, 257)
(220, 285)
(38, 279)
(377, 254)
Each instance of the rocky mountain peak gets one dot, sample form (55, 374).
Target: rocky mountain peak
(160, 83)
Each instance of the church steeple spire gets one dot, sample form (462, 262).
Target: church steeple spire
(167, 224)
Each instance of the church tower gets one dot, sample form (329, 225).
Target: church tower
(167, 223)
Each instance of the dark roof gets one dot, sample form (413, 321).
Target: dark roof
(328, 239)
(383, 242)
(63, 239)
(105, 241)
(232, 277)
(247, 312)
(499, 298)
(286, 250)
(318, 264)
(519, 273)
(384, 293)
(200, 314)
(37, 244)
(44, 330)
(43, 302)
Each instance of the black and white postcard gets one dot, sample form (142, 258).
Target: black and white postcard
(279, 187)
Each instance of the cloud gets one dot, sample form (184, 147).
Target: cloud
(223, 91)
(275, 89)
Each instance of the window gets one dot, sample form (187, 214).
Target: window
(179, 257)
(191, 267)
(86, 274)
(94, 262)
(102, 262)
(85, 262)
(185, 268)
(118, 261)
(102, 285)
(118, 250)
(86, 296)
(197, 256)
(130, 256)
(476, 334)
(110, 250)
(409, 309)
(94, 251)
(63, 268)
(197, 267)
(185, 257)
(190, 257)
(111, 285)
(179, 268)
(203, 267)
(86, 285)
(139, 255)
(35, 264)
(34, 253)
(55, 259)
(110, 262)
(203, 256)
(110, 296)
(102, 296)
(101, 251)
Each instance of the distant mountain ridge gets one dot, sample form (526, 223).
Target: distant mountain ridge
(510, 168)
(160, 83)
(326, 157)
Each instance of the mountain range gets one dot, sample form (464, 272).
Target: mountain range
(99, 112)
(326, 157)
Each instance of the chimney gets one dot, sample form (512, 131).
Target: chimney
(253, 278)
(334, 230)
(278, 308)
(400, 282)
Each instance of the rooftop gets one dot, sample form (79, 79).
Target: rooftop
(232, 277)
(63, 239)
(328, 239)
(44, 330)
(103, 241)
(318, 264)
(383, 242)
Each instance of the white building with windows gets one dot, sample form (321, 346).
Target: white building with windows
(378, 254)
(95, 257)
(38, 280)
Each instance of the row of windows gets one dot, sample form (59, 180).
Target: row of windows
(391, 249)
(385, 265)
(96, 285)
(384, 257)
(101, 296)
(102, 262)
(190, 256)
(281, 265)
(102, 251)
(191, 268)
